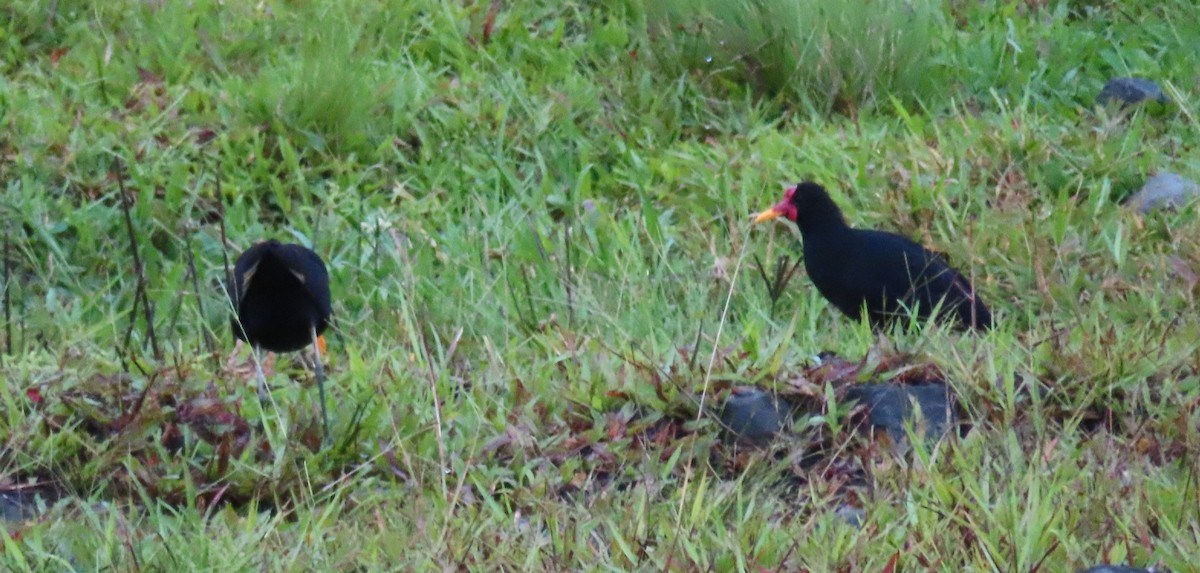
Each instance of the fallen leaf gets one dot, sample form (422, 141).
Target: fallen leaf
(57, 53)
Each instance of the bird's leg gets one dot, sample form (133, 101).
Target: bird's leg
(264, 395)
(320, 386)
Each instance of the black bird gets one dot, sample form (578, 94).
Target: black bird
(884, 274)
(281, 295)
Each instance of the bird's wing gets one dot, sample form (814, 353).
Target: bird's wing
(942, 284)
(905, 268)
(316, 276)
(243, 272)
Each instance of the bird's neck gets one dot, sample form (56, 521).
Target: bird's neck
(825, 228)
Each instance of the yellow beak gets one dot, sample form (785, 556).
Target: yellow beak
(767, 215)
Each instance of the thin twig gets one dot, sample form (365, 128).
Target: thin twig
(229, 292)
(687, 476)
(123, 350)
(717, 339)
(406, 263)
(782, 274)
(138, 268)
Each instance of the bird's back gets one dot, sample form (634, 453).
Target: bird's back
(281, 292)
(890, 276)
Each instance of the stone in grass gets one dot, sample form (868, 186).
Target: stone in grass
(16, 506)
(31, 505)
(752, 416)
(853, 516)
(890, 406)
(1165, 190)
(1125, 92)
(1113, 569)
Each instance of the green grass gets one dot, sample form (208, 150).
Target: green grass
(536, 219)
(829, 54)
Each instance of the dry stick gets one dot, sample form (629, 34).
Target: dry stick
(221, 220)
(147, 306)
(123, 352)
(720, 327)
(176, 312)
(437, 406)
(712, 359)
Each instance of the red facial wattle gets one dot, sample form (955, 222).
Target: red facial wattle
(783, 208)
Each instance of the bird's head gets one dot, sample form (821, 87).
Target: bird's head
(807, 204)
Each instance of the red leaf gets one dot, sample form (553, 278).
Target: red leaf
(490, 21)
(891, 564)
(57, 53)
(205, 135)
(34, 396)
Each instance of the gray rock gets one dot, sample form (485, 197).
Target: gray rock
(16, 507)
(752, 416)
(1129, 91)
(853, 516)
(891, 405)
(1165, 190)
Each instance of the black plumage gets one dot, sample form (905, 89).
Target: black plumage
(884, 274)
(281, 295)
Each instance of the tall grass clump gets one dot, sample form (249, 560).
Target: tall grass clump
(334, 88)
(834, 55)
(324, 96)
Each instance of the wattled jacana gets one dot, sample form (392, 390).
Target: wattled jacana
(281, 294)
(884, 274)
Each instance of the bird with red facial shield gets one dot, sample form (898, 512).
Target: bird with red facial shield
(882, 275)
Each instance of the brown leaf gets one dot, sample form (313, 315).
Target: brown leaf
(490, 21)
(833, 369)
(501, 441)
(617, 424)
(205, 135)
(1185, 271)
(57, 53)
(803, 386)
(147, 76)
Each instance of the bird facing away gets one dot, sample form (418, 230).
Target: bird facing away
(281, 295)
(884, 274)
